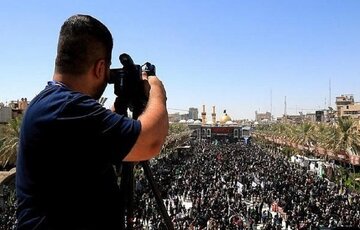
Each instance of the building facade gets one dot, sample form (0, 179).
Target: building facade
(221, 130)
(193, 113)
(262, 116)
(347, 107)
(12, 110)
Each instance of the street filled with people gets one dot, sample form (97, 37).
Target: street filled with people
(233, 186)
(7, 207)
(237, 186)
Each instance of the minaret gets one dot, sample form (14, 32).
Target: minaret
(213, 115)
(203, 116)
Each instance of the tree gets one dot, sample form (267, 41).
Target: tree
(345, 136)
(304, 134)
(9, 142)
(321, 133)
(177, 136)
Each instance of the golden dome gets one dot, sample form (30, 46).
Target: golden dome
(225, 118)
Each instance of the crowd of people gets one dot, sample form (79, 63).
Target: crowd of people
(234, 186)
(7, 207)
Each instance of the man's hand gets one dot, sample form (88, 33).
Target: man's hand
(154, 122)
(152, 81)
(146, 84)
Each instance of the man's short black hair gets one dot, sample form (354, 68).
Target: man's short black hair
(83, 40)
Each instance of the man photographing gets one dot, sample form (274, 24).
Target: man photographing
(69, 143)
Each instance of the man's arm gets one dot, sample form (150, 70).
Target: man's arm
(154, 124)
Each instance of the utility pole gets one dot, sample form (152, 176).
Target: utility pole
(285, 113)
(329, 92)
(325, 104)
(271, 104)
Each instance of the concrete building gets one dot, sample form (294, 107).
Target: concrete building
(5, 114)
(174, 117)
(311, 117)
(297, 119)
(320, 116)
(12, 110)
(184, 116)
(351, 111)
(193, 113)
(347, 107)
(262, 116)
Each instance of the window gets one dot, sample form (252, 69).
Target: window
(203, 131)
(236, 133)
(208, 132)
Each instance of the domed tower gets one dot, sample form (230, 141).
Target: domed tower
(225, 118)
(203, 116)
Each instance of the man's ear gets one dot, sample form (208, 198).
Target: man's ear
(100, 68)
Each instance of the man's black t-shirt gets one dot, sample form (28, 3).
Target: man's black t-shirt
(64, 174)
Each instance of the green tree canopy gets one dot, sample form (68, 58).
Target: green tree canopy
(178, 134)
(9, 142)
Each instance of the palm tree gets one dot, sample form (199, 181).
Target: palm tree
(10, 140)
(177, 136)
(345, 137)
(304, 135)
(321, 133)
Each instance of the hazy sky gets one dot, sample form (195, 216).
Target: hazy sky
(236, 55)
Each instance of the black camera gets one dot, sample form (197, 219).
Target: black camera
(129, 85)
(130, 91)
